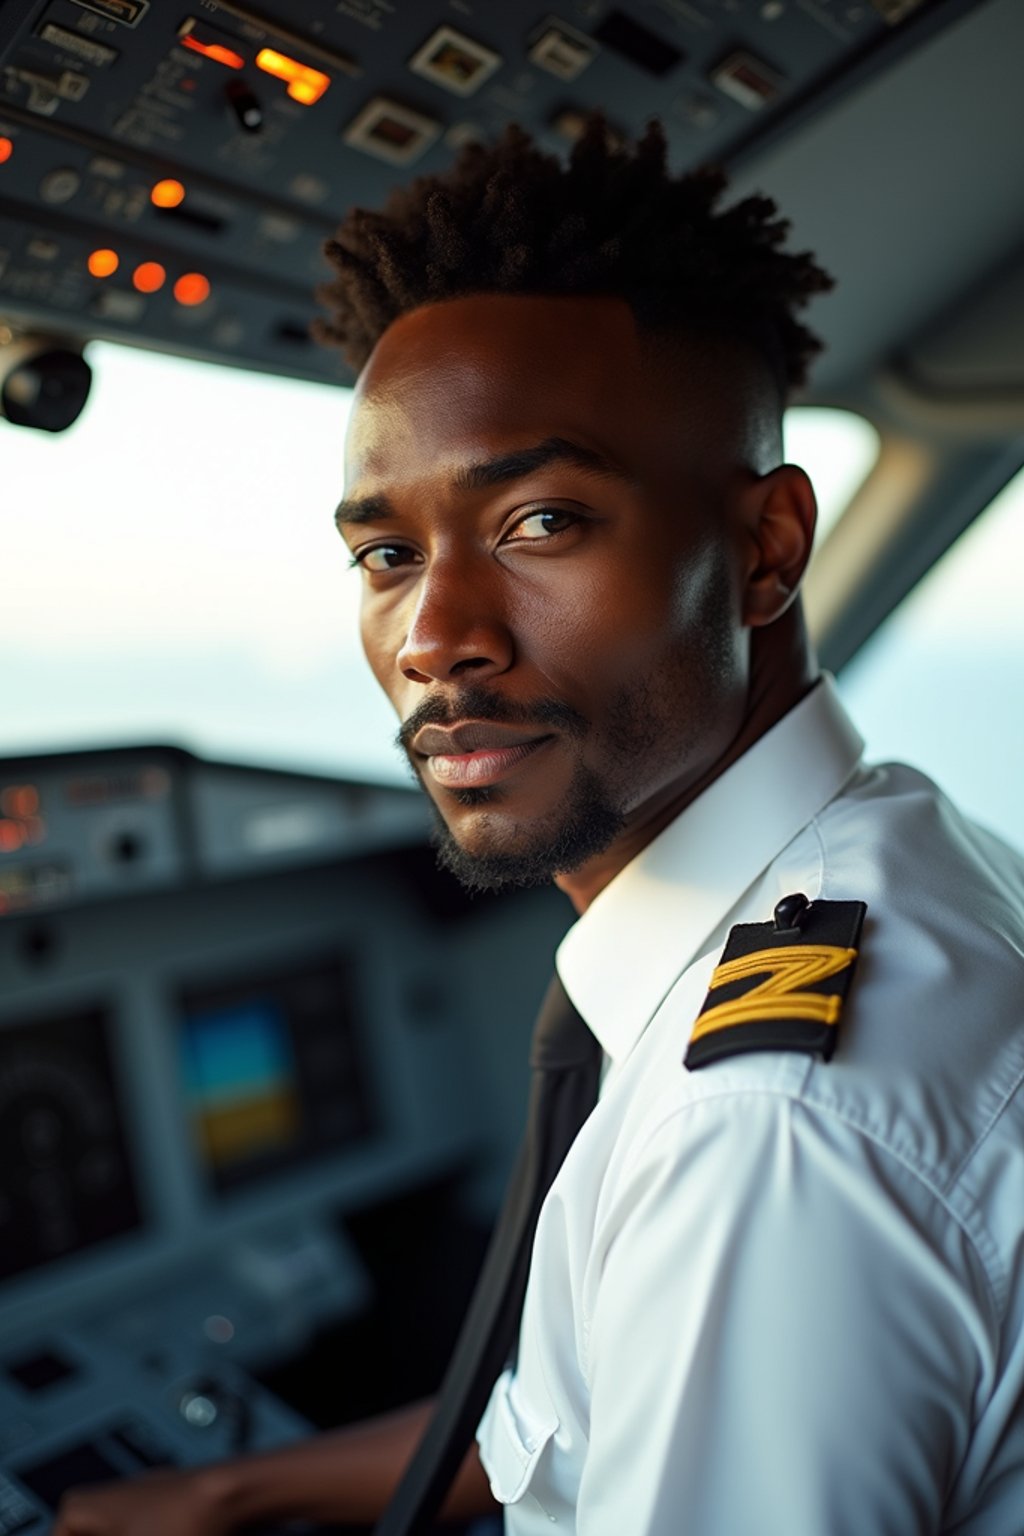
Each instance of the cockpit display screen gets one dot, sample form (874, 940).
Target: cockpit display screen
(271, 1071)
(66, 1178)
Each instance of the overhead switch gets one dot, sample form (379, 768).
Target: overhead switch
(245, 105)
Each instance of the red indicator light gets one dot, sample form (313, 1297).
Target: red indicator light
(20, 800)
(215, 51)
(11, 837)
(149, 277)
(103, 263)
(167, 193)
(6, 149)
(192, 288)
(304, 84)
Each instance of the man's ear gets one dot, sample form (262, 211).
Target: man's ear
(778, 512)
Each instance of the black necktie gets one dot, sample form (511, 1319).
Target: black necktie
(565, 1059)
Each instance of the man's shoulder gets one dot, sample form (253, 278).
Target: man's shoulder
(929, 1059)
(931, 1052)
(942, 951)
(894, 827)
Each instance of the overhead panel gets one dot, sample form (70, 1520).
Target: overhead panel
(169, 171)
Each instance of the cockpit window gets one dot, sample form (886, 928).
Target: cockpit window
(838, 450)
(940, 683)
(172, 573)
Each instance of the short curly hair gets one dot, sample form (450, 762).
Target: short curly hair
(508, 218)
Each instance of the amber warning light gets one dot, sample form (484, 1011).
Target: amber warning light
(192, 288)
(209, 43)
(149, 277)
(103, 263)
(167, 193)
(215, 51)
(305, 85)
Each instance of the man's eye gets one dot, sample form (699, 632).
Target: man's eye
(535, 527)
(382, 557)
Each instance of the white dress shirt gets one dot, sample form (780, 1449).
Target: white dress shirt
(776, 1295)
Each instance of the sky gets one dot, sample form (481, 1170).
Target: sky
(171, 573)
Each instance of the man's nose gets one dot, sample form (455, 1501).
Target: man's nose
(458, 628)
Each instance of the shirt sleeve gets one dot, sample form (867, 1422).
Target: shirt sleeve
(784, 1334)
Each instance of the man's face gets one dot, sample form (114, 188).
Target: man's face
(552, 580)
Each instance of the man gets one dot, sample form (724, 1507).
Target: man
(769, 1291)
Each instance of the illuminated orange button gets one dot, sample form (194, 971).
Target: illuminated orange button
(303, 92)
(304, 84)
(215, 51)
(192, 288)
(167, 194)
(103, 263)
(6, 149)
(149, 276)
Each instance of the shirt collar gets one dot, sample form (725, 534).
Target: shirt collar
(622, 956)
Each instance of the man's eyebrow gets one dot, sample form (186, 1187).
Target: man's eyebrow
(491, 472)
(362, 509)
(525, 461)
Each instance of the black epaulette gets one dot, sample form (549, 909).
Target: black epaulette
(780, 986)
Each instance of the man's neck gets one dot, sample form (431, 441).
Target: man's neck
(783, 671)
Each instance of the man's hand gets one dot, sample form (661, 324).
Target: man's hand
(346, 1476)
(157, 1504)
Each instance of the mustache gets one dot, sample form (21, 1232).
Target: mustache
(476, 703)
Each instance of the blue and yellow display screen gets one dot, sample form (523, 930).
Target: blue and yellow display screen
(270, 1071)
(238, 1071)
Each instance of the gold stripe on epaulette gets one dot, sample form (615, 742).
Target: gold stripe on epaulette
(779, 995)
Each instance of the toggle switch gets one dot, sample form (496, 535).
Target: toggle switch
(245, 105)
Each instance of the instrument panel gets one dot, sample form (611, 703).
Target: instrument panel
(170, 172)
(224, 1060)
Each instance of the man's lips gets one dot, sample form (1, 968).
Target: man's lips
(475, 752)
(472, 736)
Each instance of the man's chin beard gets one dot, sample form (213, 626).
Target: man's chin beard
(588, 825)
